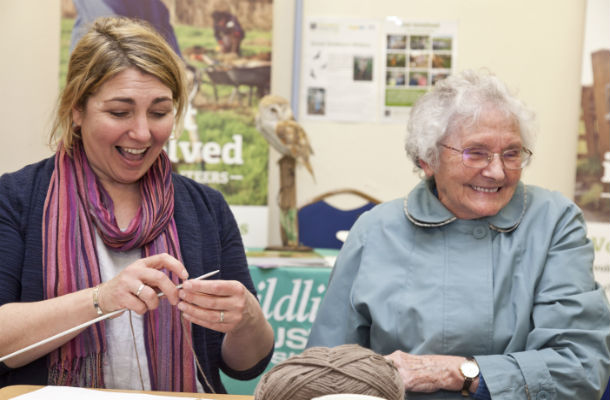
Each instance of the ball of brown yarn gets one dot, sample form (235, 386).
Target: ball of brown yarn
(321, 371)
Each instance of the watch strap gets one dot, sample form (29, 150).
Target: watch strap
(466, 387)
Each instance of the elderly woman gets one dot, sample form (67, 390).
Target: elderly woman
(475, 284)
(104, 225)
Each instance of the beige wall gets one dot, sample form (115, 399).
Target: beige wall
(535, 46)
(29, 44)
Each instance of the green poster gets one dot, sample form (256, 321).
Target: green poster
(226, 47)
(290, 298)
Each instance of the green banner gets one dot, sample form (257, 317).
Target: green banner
(290, 298)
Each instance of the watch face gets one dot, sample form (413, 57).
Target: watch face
(470, 369)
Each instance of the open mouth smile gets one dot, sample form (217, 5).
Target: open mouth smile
(132, 154)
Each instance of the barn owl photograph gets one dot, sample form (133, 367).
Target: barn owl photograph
(276, 123)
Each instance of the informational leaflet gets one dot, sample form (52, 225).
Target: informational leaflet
(339, 80)
(416, 54)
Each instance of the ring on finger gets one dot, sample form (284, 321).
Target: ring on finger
(222, 317)
(139, 291)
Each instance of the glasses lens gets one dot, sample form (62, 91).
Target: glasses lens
(513, 159)
(475, 157)
(479, 158)
(516, 159)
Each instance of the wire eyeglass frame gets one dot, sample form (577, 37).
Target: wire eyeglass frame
(485, 157)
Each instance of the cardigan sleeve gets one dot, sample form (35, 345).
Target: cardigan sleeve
(233, 259)
(12, 249)
(210, 239)
(22, 196)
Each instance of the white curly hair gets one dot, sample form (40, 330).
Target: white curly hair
(457, 101)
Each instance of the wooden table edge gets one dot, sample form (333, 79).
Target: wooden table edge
(8, 392)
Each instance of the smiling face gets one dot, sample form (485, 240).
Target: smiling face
(124, 126)
(471, 193)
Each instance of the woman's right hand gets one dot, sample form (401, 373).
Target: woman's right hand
(47, 318)
(137, 286)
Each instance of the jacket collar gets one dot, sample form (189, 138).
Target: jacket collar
(424, 209)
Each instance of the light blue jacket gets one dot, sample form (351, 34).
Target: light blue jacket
(515, 290)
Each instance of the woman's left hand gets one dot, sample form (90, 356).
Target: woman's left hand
(223, 306)
(429, 373)
(228, 306)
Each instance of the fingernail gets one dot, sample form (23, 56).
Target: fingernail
(182, 294)
(185, 274)
(181, 306)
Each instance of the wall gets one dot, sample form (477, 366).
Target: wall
(28, 79)
(596, 36)
(536, 47)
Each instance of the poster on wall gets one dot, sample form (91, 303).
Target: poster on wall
(416, 54)
(226, 48)
(592, 189)
(338, 71)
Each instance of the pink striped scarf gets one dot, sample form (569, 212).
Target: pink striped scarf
(77, 205)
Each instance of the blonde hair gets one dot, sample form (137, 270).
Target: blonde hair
(112, 45)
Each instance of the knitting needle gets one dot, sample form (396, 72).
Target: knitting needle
(204, 276)
(88, 323)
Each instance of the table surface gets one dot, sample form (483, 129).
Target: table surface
(8, 392)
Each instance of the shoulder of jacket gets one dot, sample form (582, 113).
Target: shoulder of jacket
(185, 185)
(539, 197)
(29, 180)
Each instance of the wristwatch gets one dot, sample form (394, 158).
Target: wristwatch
(469, 370)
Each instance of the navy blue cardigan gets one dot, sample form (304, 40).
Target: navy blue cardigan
(209, 239)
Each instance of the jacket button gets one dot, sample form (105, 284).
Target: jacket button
(479, 232)
(542, 395)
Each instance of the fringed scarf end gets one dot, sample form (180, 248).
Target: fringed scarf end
(80, 372)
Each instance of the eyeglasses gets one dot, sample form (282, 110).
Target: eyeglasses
(477, 157)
